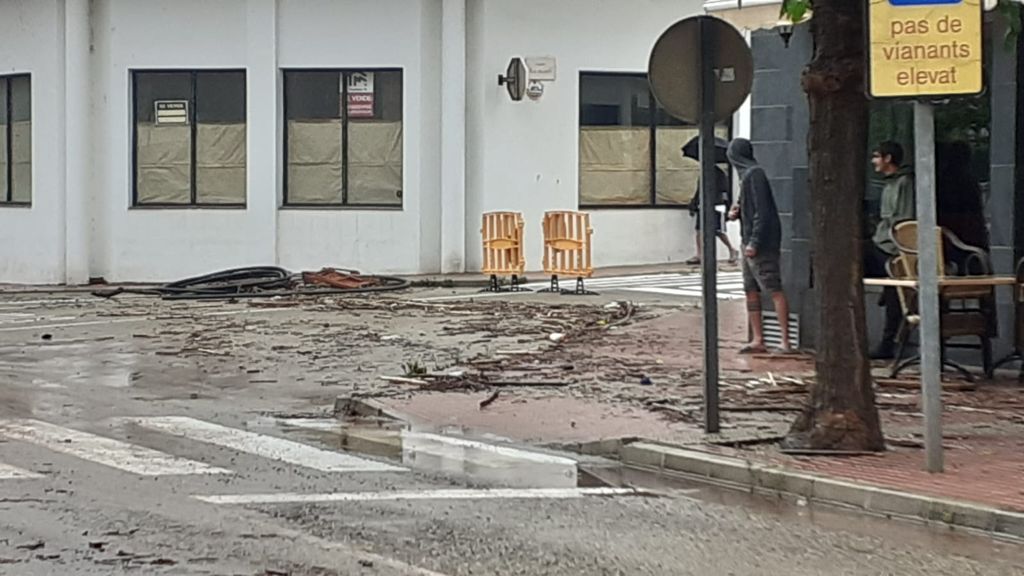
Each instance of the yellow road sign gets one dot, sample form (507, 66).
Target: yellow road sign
(925, 48)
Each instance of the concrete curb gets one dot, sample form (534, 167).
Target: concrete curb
(716, 469)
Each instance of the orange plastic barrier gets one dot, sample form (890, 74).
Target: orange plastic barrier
(567, 248)
(503, 247)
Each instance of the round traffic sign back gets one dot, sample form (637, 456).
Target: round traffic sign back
(676, 65)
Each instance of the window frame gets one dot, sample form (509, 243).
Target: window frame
(7, 101)
(193, 129)
(652, 127)
(343, 97)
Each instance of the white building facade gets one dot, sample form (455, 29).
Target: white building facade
(149, 140)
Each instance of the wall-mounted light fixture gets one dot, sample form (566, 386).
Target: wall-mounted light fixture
(786, 27)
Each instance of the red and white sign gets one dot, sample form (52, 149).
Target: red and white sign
(360, 95)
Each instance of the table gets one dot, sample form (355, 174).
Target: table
(947, 282)
(960, 286)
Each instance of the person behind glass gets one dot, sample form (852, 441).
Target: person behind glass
(761, 232)
(960, 205)
(896, 205)
(724, 198)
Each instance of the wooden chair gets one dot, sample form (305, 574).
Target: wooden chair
(976, 263)
(953, 323)
(502, 234)
(567, 248)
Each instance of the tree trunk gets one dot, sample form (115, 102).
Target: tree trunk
(842, 413)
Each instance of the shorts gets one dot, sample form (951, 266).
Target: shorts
(719, 218)
(762, 273)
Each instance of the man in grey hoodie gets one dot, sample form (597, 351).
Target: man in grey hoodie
(761, 233)
(897, 204)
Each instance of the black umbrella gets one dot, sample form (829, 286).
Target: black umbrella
(692, 149)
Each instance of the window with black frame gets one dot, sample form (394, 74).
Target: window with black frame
(630, 148)
(15, 140)
(343, 138)
(189, 138)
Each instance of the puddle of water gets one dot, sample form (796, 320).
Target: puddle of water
(486, 463)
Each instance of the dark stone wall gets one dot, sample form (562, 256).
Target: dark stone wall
(779, 125)
(779, 122)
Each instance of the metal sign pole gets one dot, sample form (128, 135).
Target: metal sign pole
(708, 214)
(928, 293)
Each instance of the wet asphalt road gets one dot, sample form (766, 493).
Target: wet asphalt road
(88, 485)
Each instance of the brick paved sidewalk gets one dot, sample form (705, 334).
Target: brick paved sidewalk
(984, 455)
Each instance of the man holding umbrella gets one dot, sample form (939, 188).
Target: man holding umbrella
(692, 150)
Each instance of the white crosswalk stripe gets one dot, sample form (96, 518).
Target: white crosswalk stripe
(103, 450)
(730, 284)
(261, 445)
(8, 472)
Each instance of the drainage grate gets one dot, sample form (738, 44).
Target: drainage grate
(772, 334)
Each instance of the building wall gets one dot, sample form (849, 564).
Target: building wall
(32, 238)
(778, 129)
(779, 125)
(371, 33)
(1003, 207)
(524, 156)
(262, 36)
(519, 156)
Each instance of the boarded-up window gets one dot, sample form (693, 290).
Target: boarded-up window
(190, 138)
(630, 149)
(15, 139)
(343, 139)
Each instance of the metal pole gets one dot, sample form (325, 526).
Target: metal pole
(928, 293)
(708, 214)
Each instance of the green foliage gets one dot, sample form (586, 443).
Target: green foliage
(795, 10)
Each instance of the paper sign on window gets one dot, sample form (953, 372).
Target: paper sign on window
(171, 112)
(360, 95)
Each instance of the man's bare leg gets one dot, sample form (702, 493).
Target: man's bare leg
(700, 252)
(756, 344)
(782, 310)
(734, 254)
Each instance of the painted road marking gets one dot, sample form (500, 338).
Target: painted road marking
(496, 449)
(261, 445)
(8, 472)
(102, 450)
(730, 286)
(449, 494)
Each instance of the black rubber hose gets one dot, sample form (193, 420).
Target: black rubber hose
(251, 282)
(232, 281)
(390, 283)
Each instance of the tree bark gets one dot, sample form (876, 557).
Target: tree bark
(841, 414)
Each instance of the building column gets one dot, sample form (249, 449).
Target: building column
(77, 149)
(263, 119)
(453, 136)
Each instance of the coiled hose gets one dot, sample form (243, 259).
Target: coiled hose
(256, 282)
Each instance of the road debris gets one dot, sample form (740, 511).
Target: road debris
(490, 399)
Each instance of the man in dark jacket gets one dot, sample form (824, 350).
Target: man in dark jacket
(761, 233)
